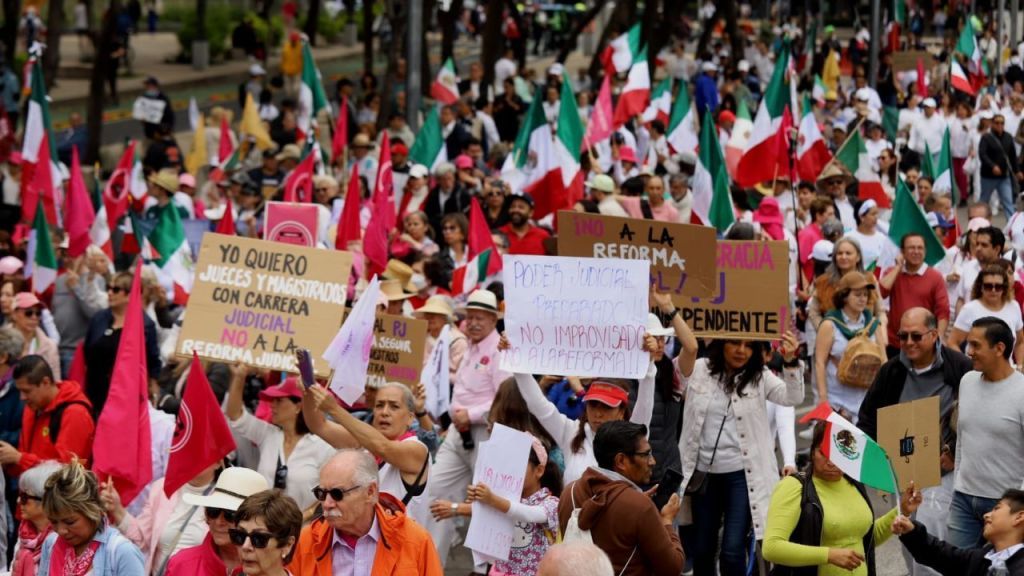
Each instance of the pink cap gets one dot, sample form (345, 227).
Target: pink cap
(463, 161)
(10, 265)
(25, 300)
(627, 154)
(186, 179)
(287, 389)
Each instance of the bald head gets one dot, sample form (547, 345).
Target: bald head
(575, 559)
(919, 316)
(918, 337)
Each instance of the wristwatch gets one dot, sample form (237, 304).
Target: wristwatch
(455, 509)
(669, 317)
(420, 414)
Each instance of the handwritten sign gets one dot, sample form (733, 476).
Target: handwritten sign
(501, 465)
(399, 344)
(291, 223)
(910, 434)
(255, 302)
(435, 376)
(576, 316)
(681, 255)
(751, 299)
(148, 110)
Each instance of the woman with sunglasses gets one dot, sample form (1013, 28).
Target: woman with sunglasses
(26, 314)
(217, 555)
(103, 338)
(494, 205)
(35, 526)
(267, 530)
(166, 524)
(991, 295)
(849, 317)
(83, 543)
(727, 450)
(454, 232)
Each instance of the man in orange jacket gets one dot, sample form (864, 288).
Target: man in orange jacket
(363, 530)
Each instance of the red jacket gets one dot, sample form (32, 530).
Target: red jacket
(201, 560)
(76, 430)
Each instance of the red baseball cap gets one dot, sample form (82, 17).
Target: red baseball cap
(607, 394)
(288, 389)
(399, 148)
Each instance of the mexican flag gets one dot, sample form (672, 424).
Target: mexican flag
(737, 143)
(944, 180)
(967, 45)
(927, 164)
(762, 159)
(445, 88)
(811, 153)
(466, 278)
(312, 98)
(819, 91)
(621, 52)
(484, 259)
(682, 124)
(907, 217)
(958, 78)
(428, 148)
(636, 93)
(661, 103)
(712, 202)
(173, 257)
(853, 451)
(41, 256)
(41, 180)
(854, 155)
(99, 232)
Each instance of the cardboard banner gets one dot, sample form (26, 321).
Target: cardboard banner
(751, 300)
(910, 434)
(255, 302)
(907, 60)
(681, 255)
(291, 223)
(576, 316)
(500, 464)
(399, 344)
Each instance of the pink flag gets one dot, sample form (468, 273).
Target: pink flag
(224, 149)
(122, 449)
(600, 125)
(349, 228)
(299, 185)
(922, 79)
(375, 242)
(80, 214)
(226, 224)
(116, 193)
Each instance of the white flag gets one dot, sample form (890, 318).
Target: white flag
(435, 375)
(349, 352)
(193, 114)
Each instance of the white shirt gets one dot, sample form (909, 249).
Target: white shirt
(961, 139)
(503, 68)
(846, 214)
(968, 274)
(927, 131)
(1009, 313)
(194, 533)
(309, 453)
(876, 248)
(391, 482)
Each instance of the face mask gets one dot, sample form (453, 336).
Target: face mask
(419, 281)
(667, 195)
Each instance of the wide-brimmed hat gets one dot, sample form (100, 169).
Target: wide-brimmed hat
(855, 280)
(290, 152)
(362, 141)
(482, 300)
(233, 486)
(398, 270)
(392, 290)
(166, 179)
(833, 170)
(655, 328)
(437, 304)
(288, 389)
(602, 183)
(608, 394)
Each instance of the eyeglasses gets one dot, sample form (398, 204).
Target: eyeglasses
(915, 336)
(24, 497)
(993, 286)
(31, 312)
(336, 494)
(647, 454)
(259, 539)
(116, 289)
(230, 516)
(450, 228)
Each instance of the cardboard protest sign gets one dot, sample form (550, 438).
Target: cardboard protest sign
(910, 434)
(907, 60)
(399, 344)
(751, 299)
(291, 223)
(681, 255)
(576, 316)
(255, 302)
(501, 465)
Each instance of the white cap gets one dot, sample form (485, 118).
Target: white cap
(556, 69)
(655, 328)
(743, 66)
(822, 251)
(709, 67)
(928, 103)
(986, 115)
(863, 94)
(418, 171)
(257, 70)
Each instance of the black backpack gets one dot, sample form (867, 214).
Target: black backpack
(58, 414)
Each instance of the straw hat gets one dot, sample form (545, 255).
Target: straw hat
(392, 289)
(166, 179)
(437, 304)
(398, 270)
(483, 300)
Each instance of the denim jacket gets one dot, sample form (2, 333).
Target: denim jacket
(116, 556)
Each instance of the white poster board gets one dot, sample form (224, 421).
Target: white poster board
(501, 465)
(576, 316)
(436, 375)
(148, 110)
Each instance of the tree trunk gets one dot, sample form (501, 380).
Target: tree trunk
(730, 14)
(266, 7)
(621, 19)
(51, 57)
(493, 41)
(396, 15)
(585, 20)
(368, 36)
(425, 74)
(312, 17)
(660, 31)
(100, 66)
(707, 27)
(12, 14)
(201, 20)
(447, 20)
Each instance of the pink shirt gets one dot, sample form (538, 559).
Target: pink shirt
(358, 562)
(664, 213)
(477, 380)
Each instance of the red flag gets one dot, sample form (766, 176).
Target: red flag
(340, 139)
(299, 185)
(782, 141)
(600, 125)
(77, 371)
(201, 437)
(80, 214)
(224, 149)
(226, 224)
(480, 238)
(922, 84)
(375, 242)
(37, 184)
(349, 228)
(821, 412)
(122, 449)
(116, 193)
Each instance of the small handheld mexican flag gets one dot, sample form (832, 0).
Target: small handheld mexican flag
(853, 451)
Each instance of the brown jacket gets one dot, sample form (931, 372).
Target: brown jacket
(621, 520)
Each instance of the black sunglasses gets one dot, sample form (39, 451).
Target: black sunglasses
(24, 497)
(115, 289)
(230, 516)
(986, 286)
(336, 494)
(915, 336)
(259, 539)
(31, 312)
